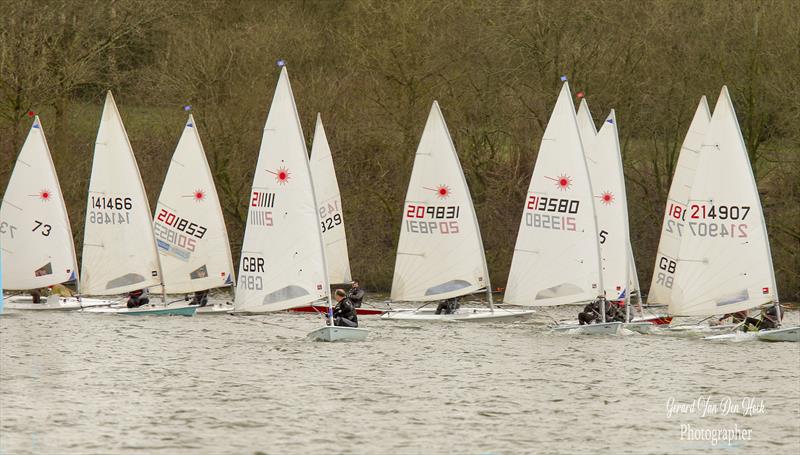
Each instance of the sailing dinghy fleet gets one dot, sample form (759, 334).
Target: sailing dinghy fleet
(573, 245)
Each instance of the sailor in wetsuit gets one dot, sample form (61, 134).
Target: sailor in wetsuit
(344, 314)
(138, 298)
(355, 294)
(449, 306)
(769, 320)
(200, 298)
(592, 312)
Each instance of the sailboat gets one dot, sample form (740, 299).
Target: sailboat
(331, 216)
(604, 161)
(557, 255)
(189, 227)
(119, 247)
(724, 263)
(35, 229)
(283, 262)
(440, 253)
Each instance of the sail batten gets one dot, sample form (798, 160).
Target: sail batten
(440, 251)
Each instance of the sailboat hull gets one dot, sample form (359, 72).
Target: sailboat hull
(462, 315)
(216, 309)
(639, 327)
(603, 328)
(658, 319)
(25, 303)
(336, 333)
(786, 334)
(149, 310)
(324, 309)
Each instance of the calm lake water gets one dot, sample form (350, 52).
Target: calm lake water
(82, 383)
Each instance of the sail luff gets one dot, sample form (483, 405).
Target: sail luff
(33, 220)
(677, 203)
(556, 256)
(329, 203)
(189, 226)
(119, 249)
(724, 263)
(282, 266)
(439, 253)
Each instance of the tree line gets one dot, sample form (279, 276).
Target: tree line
(373, 68)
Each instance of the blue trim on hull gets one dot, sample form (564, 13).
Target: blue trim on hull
(183, 311)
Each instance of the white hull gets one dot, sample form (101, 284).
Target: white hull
(791, 334)
(603, 328)
(699, 328)
(54, 303)
(639, 327)
(735, 336)
(784, 334)
(216, 309)
(336, 333)
(461, 315)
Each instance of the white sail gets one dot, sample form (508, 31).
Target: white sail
(188, 224)
(38, 250)
(672, 228)
(604, 161)
(556, 257)
(282, 264)
(724, 261)
(440, 252)
(329, 204)
(119, 250)
(586, 125)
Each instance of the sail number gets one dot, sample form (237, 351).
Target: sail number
(109, 218)
(103, 203)
(434, 212)
(251, 264)
(112, 203)
(432, 227)
(552, 204)
(6, 228)
(545, 221)
(331, 222)
(667, 267)
(702, 229)
(706, 211)
(45, 228)
(181, 224)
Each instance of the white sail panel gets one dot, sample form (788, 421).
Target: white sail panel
(282, 264)
(556, 257)
(672, 227)
(119, 252)
(34, 226)
(329, 204)
(724, 262)
(586, 125)
(440, 252)
(188, 224)
(604, 161)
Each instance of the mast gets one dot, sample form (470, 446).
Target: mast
(594, 216)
